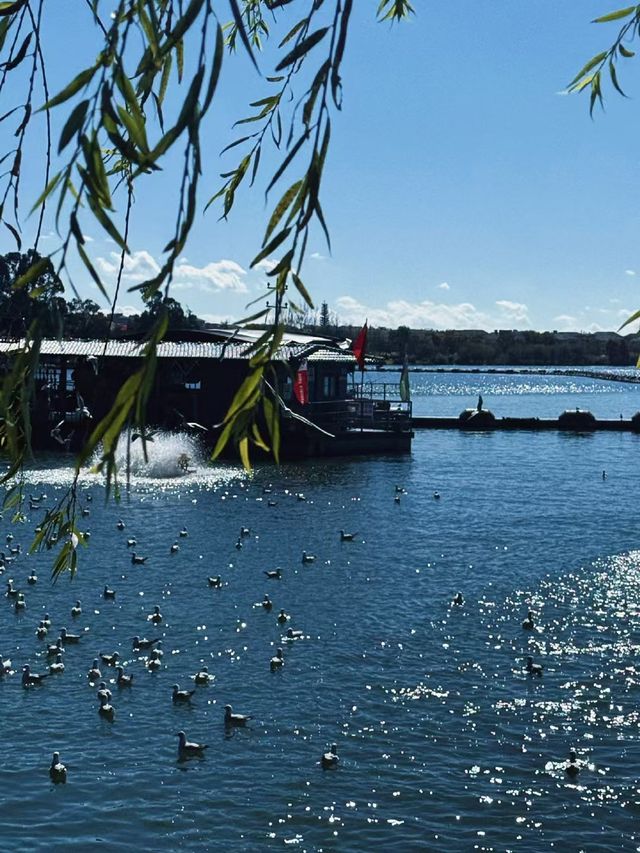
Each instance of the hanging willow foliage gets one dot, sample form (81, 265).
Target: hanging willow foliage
(116, 130)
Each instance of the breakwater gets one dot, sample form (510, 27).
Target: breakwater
(538, 424)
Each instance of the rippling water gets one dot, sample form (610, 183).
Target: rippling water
(445, 741)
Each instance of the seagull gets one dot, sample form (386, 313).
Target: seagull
(138, 561)
(231, 719)
(156, 616)
(31, 679)
(68, 638)
(47, 620)
(181, 696)
(458, 599)
(56, 668)
(120, 525)
(184, 532)
(20, 603)
(276, 574)
(131, 543)
(56, 648)
(277, 662)
(330, 759)
(106, 710)
(174, 548)
(108, 593)
(94, 673)
(41, 631)
(215, 582)
(347, 537)
(203, 676)
(308, 558)
(103, 691)
(110, 660)
(534, 668)
(294, 635)
(239, 545)
(244, 531)
(572, 767)
(144, 643)
(123, 680)
(5, 665)
(397, 499)
(436, 496)
(528, 623)
(282, 617)
(12, 592)
(77, 610)
(157, 652)
(33, 577)
(267, 603)
(187, 748)
(57, 770)
(153, 664)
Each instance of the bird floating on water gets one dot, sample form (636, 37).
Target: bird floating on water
(267, 603)
(108, 593)
(294, 634)
(347, 537)
(94, 673)
(86, 511)
(458, 599)
(572, 768)
(131, 543)
(56, 648)
(203, 676)
(283, 616)
(138, 561)
(528, 623)
(57, 770)
(436, 496)
(144, 642)
(153, 664)
(275, 574)
(110, 660)
(534, 668)
(181, 696)
(20, 602)
(56, 668)
(33, 577)
(174, 548)
(231, 719)
(308, 558)
(215, 582)
(121, 525)
(277, 661)
(106, 710)
(68, 638)
(32, 679)
(47, 620)
(187, 748)
(330, 759)
(76, 610)
(41, 631)
(103, 690)
(184, 532)
(5, 665)
(244, 531)
(123, 680)
(156, 616)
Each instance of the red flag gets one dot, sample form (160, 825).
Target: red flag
(359, 346)
(301, 384)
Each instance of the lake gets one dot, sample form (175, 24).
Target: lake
(445, 741)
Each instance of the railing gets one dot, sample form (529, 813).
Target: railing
(361, 413)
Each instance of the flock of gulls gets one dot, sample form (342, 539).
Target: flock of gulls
(151, 648)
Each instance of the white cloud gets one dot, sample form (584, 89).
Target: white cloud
(137, 267)
(433, 315)
(211, 278)
(316, 256)
(444, 286)
(629, 272)
(267, 264)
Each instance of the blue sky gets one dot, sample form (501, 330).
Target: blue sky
(464, 188)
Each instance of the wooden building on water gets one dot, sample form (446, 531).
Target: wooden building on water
(197, 375)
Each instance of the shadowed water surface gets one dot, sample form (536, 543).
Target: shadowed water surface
(445, 741)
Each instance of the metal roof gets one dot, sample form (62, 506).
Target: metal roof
(178, 350)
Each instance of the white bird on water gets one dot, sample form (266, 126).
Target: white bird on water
(331, 758)
(76, 610)
(308, 558)
(57, 770)
(277, 661)
(56, 668)
(231, 719)
(347, 537)
(106, 710)
(94, 673)
(123, 680)
(189, 748)
(156, 616)
(203, 676)
(32, 679)
(181, 696)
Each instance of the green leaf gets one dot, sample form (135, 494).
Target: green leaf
(281, 208)
(73, 124)
(630, 319)
(272, 246)
(615, 16)
(595, 60)
(237, 17)
(624, 51)
(614, 78)
(69, 91)
(34, 271)
(20, 55)
(302, 290)
(302, 48)
(215, 70)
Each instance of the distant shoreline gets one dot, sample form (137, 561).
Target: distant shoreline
(609, 375)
